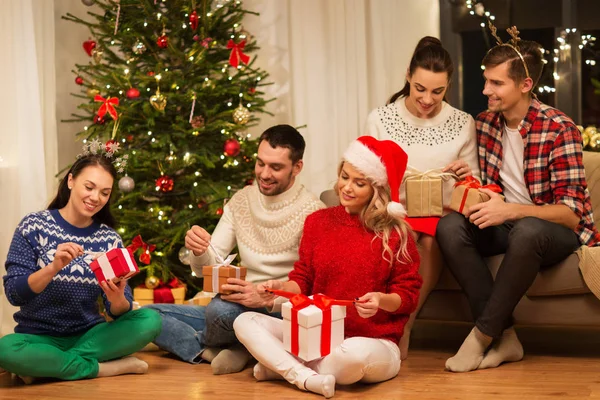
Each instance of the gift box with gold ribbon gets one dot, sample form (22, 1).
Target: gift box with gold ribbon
(425, 193)
(466, 194)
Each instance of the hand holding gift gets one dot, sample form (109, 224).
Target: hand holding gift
(466, 194)
(490, 213)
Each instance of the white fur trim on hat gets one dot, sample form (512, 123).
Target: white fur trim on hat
(396, 210)
(367, 162)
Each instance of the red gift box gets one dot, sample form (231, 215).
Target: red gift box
(115, 264)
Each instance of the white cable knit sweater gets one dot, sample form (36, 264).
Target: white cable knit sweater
(266, 230)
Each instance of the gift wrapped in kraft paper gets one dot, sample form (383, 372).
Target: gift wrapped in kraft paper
(425, 193)
(216, 275)
(466, 194)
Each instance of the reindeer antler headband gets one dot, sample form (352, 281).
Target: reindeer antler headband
(513, 43)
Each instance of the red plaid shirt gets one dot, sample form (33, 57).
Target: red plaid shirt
(552, 161)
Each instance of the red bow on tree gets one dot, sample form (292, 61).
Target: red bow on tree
(237, 54)
(136, 243)
(108, 106)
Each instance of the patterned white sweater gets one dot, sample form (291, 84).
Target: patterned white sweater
(265, 229)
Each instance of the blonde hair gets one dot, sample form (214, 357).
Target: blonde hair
(375, 217)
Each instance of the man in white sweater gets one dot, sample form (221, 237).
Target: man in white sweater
(265, 222)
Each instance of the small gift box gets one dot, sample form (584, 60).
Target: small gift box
(115, 264)
(215, 276)
(466, 194)
(200, 299)
(173, 292)
(424, 193)
(312, 326)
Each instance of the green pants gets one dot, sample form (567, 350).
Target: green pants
(77, 357)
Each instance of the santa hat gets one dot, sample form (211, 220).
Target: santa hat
(382, 161)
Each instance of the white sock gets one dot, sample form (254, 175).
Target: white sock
(262, 373)
(471, 352)
(321, 384)
(507, 349)
(230, 360)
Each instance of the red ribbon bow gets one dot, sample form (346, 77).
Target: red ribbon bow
(136, 243)
(108, 105)
(237, 54)
(300, 301)
(471, 183)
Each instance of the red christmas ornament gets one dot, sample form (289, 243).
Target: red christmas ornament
(196, 38)
(249, 181)
(130, 138)
(201, 204)
(107, 146)
(133, 93)
(194, 20)
(219, 211)
(88, 46)
(99, 120)
(150, 73)
(79, 80)
(162, 41)
(231, 147)
(164, 184)
(252, 90)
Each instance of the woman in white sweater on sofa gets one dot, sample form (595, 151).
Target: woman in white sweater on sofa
(435, 135)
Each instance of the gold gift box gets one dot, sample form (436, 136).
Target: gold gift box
(461, 200)
(424, 197)
(146, 296)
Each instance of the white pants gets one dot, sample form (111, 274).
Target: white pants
(356, 359)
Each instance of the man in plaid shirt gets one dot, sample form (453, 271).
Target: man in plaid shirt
(534, 153)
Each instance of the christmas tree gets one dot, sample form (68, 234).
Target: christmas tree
(171, 84)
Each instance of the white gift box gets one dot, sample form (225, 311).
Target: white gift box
(309, 328)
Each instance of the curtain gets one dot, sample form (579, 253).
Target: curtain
(28, 153)
(332, 62)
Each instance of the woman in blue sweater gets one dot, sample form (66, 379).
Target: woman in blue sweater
(60, 332)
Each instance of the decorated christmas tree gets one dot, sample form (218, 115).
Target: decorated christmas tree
(171, 84)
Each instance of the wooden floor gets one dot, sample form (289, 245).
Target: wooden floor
(559, 363)
(421, 377)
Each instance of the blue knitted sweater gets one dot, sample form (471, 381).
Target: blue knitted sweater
(69, 304)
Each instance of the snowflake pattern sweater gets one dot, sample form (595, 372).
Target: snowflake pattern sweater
(341, 259)
(69, 304)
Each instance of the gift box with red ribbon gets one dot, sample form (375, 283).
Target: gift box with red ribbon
(172, 292)
(466, 194)
(115, 264)
(312, 326)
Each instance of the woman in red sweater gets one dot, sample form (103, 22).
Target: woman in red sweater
(361, 250)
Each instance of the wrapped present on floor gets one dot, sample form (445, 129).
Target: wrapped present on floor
(466, 194)
(424, 192)
(115, 264)
(312, 326)
(201, 299)
(216, 275)
(172, 292)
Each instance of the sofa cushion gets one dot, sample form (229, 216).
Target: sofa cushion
(560, 279)
(591, 163)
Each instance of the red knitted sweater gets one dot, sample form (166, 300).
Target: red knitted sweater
(341, 259)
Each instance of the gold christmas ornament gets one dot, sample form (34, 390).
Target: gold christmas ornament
(97, 55)
(158, 101)
(595, 142)
(92, 92)
(590, 130)
(152, 282)
(586, 140)
(138, 48)
(241, 115)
